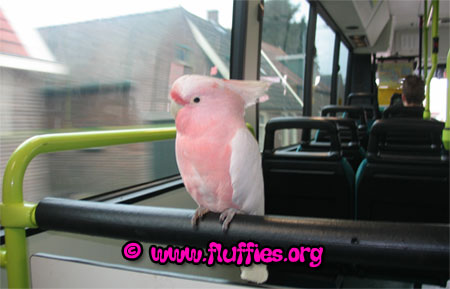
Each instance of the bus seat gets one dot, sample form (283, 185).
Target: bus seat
(366, 100)
(405, 176)
(409, 135)
(304, 182)
(353, 112)
(395, 98)
(348, 137)
(403, 111)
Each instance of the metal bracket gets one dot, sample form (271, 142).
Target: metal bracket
(19, 215)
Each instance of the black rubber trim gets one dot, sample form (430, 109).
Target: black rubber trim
(375, 244)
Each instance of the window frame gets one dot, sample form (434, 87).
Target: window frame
(316, 8)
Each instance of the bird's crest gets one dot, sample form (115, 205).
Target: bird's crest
(249, 90)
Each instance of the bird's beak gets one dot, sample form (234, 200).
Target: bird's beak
(174, 108)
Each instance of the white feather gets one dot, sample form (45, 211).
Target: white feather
(250, 91)
(248, 189)
(256, 273)
(246, 173)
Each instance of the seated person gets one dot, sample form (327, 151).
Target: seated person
(413, 91)
(411, 99)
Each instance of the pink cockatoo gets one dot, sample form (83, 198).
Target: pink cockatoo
(217, 156)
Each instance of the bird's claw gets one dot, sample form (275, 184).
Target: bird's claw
(226, 217)
(199, 213)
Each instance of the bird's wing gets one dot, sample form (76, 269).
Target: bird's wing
(246, 173)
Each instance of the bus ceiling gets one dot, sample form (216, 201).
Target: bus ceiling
(388, 27)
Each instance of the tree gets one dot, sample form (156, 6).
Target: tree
(281, 29)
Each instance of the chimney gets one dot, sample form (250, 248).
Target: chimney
(213, 16)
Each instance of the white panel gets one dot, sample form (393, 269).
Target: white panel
(365, 10)
(344, 14)
(406, 12)
(377, 23)
(409, 42)
(383, 43)
(49, 271)
(406, 42)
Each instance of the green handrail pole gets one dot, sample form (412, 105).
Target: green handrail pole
(434, 56)
(2, 256)
(16, 258)
(430, 13)
(446, 132)
(16, 215)
(425, 40)
(251, 129)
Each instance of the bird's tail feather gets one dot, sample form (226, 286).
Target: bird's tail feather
(256, 273)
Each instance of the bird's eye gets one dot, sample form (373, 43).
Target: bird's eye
(197, 99)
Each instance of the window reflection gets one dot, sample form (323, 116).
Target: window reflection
(101, 73)
(283, 51)
(323, 65)
(342, 74)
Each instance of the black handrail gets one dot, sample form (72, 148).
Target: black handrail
(374, 244)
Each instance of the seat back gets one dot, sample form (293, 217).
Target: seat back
(395, 98)
(366, 100)
(403, 111)
(301, 181)
(348, 137)
(405, 176)
(353, 112)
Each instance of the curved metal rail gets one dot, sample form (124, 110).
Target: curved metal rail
(16, 215)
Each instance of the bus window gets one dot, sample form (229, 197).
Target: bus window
(287, 138)
(283, 51)
(323, 66)
(438, 99)
(342, 74)
(75, 66)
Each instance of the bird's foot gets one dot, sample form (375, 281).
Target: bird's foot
(227, 216)
(199, 213)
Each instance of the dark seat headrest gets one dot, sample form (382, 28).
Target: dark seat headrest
(353, 112)
(305, 124)
(396, 98)
(366, 100)
(347, 131)
(406, 140)
(361, 98)
(403, 111)
(410, 125)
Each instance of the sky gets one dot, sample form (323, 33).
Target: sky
(34, 14)
(55, 12)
